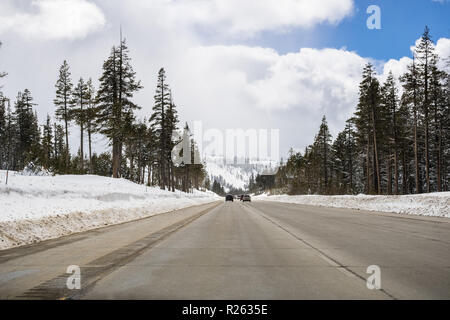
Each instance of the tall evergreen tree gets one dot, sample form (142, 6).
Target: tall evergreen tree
(411, 98)
(437, 108)
(28, 130)
(64, 103)
(3, 102)
(59, 148)
(80, 98)
(117, 86)
(322, 148)
(389, 108)
(367, 122)
(11, 138)
(426, 56)
(47, 144)
(159, 124)
(91, 114)
(172, 122)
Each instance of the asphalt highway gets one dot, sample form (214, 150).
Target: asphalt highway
(235, 250)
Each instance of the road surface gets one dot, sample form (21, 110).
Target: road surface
(234, 250)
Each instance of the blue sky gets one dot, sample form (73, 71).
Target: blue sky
(403, 21)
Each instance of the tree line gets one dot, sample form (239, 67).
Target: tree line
(396, 142)
(141, 150)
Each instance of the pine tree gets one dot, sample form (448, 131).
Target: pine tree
(117, 86)
(322, 146)
(28, 130)
(411, 99)
(437, 105)
(90, 119)
(366, 120)
(343, 158)
(60, 149)
(159, 125)
(47, 144)
(389, 107)
(3, 133)
(11, 138)
(425, 56)
(64, 103)
(78, 113)
(172, 122)
(151, 156)
(445, 136)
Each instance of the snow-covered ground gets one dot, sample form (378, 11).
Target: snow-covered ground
(35, 208)
(432, 204)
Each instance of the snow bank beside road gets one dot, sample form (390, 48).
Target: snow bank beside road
(35, 208)
(431, 204)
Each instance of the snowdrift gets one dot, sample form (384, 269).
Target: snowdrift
(36, 208)
(431, 204)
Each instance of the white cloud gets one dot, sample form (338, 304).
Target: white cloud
(398, 68)
(242, 86)
(262, 78)
(51, 19)
(443, 50)
(226, 86)
(245, 18)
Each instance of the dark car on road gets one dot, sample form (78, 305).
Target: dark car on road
(246, 197)
(229, 197)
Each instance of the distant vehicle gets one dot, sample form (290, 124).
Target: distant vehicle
(246, 197)
(229, 197)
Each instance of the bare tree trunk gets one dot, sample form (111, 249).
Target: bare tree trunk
(389, 177)
(439, 160)
(81, 148)
(116, 161)
(437, 140)
(427, 156)
(173, 177)
(368, 182)
(426, 108)
(67, 144)
(396, 171)
(416, 155)
(91, 169)
(377, 165)
(149, 179)
(405, 172)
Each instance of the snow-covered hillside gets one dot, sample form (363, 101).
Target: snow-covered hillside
(236, 176)
(431, 204)
(34, 208)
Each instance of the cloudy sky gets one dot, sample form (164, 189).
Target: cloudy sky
(231, 63)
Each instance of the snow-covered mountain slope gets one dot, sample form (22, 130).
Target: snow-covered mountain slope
(234, 175)
(53, 206)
